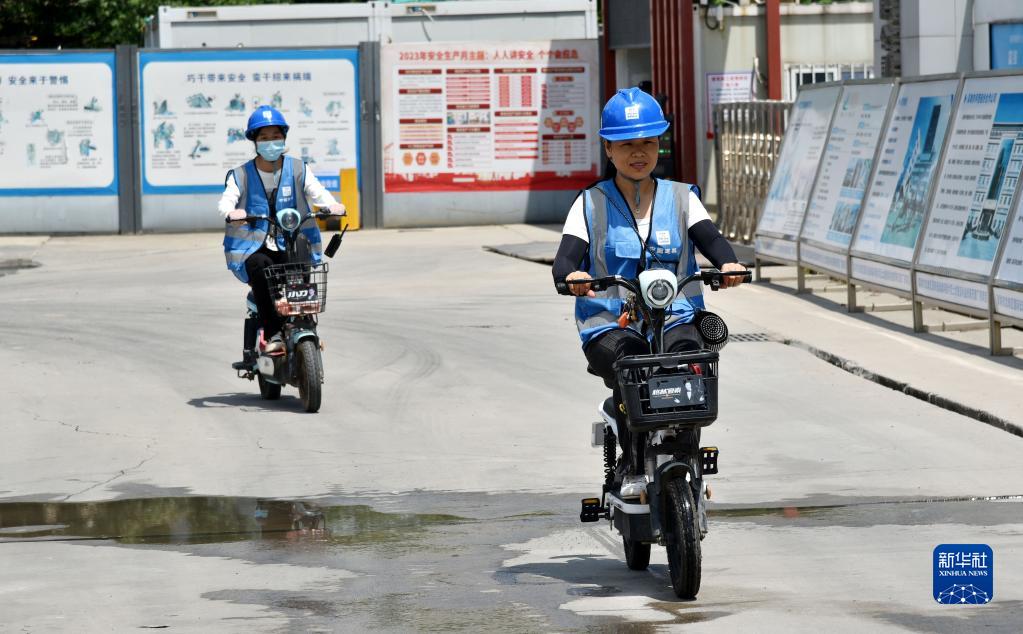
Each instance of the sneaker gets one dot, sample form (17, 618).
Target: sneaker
(276, 344)
(633, 486)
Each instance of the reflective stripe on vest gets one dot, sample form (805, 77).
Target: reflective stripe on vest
(615, 249)
(242, 239)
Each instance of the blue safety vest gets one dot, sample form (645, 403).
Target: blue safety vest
(242, 239)
(615, 249)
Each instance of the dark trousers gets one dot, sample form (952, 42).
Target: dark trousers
(605, 349)
(269, 320)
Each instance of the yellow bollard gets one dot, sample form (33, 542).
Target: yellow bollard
(349, 197)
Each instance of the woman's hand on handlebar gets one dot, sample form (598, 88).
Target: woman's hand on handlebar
(236, 215)
(580, 289)
(728, 281)
(337, 209)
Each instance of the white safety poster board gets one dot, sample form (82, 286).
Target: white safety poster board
(896, 201)
(726, 88)
(834, 206)
(196, 105)
(58, 132)
(797, 164)
(978, 177)
(490, 115)
(1009, 301)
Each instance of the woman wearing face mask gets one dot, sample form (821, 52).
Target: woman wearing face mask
(260, 187)
(628, 223)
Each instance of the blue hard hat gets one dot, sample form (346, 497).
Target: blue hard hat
(631, 114)
(263, 117)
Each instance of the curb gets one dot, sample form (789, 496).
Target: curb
(907, 389)
(539, 252)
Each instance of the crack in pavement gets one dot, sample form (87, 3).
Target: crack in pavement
(259, 443)
(119, 474)
(78, 428)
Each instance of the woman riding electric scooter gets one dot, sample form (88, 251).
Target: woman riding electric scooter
(260, 187)
(624, 225)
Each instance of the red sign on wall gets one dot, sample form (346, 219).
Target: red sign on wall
(503, 116)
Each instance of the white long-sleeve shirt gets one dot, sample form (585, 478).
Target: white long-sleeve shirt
(314, 192)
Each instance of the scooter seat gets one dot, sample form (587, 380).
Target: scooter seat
(609, 406)
(589, 368)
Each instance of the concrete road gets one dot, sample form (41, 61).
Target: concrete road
(142, 485)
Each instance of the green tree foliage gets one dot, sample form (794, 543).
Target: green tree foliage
(48, 24)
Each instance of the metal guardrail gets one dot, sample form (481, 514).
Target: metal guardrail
(747, 139)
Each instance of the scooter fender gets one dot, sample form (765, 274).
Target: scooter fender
(609, 421)
(656, 492)
(298, 336)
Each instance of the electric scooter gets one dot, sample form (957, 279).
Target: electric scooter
(666, 398)
(299, 292)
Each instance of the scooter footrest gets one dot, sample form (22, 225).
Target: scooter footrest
(591, 510)
(710, 460)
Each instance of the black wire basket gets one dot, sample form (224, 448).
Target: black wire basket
(297, 289)
(678, 389)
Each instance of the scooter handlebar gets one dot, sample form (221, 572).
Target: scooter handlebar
(710, 277)
(319, 215)
(713, 277)
(598, 284)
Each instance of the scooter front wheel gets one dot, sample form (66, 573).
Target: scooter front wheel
(684, 557)
(637, 554)
(310, 374)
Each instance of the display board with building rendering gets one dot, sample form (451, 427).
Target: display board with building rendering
(846, 167)
(794, 173)
(897, 198)
(969, 213)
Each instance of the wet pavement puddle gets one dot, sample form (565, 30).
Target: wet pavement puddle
(1003, 509)
(203, 520)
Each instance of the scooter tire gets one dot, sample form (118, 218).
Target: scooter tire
(310, 375)
(637, 554)
(683, 537)
(267, 390)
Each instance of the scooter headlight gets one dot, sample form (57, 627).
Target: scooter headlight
(659, 293)
(659, 288)
(289, 219)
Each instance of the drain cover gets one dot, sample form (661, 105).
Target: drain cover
(745, 337)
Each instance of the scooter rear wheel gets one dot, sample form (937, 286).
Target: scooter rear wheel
(637, 554)
(683, 535)
(269, 391)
